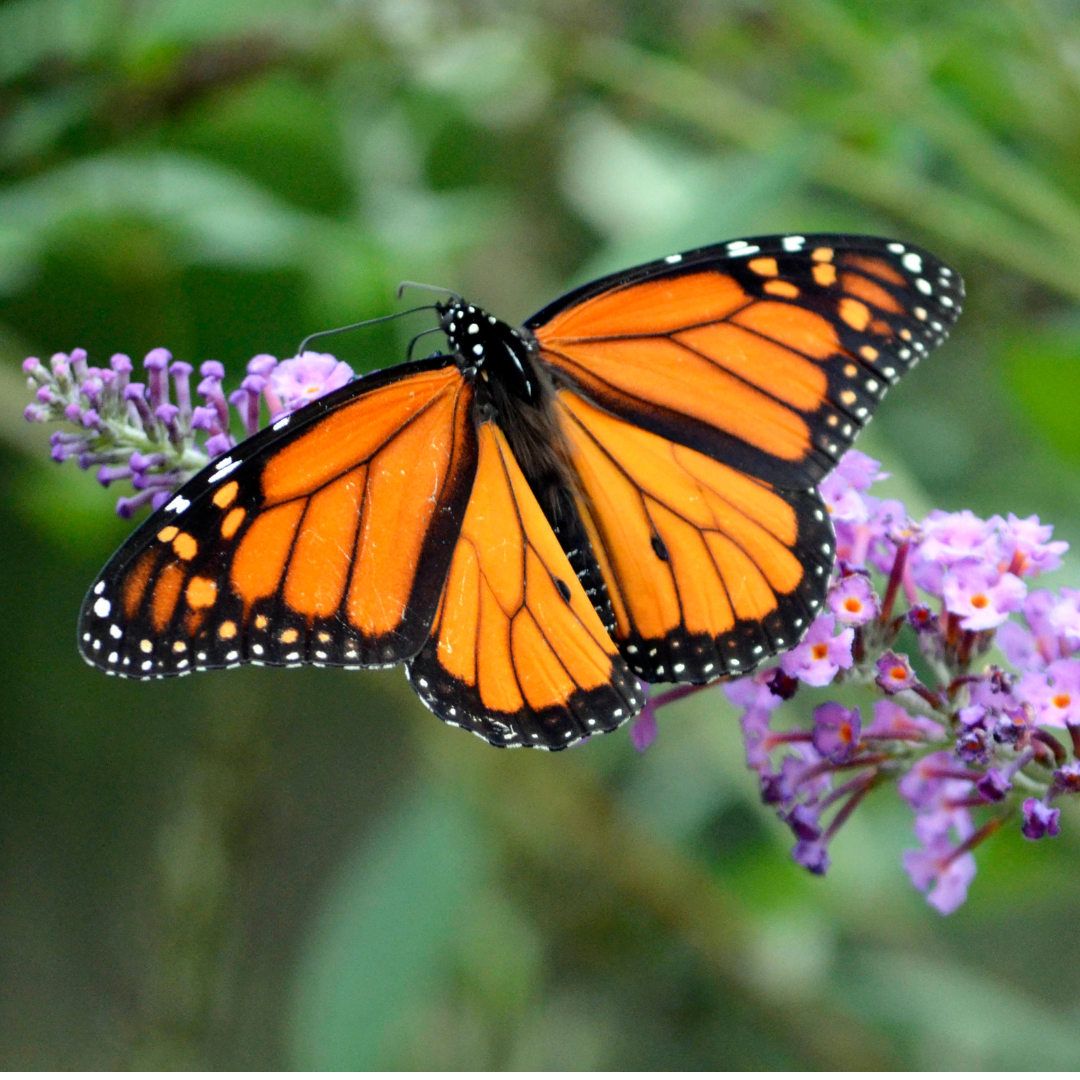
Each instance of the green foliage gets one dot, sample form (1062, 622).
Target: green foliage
(266, 869)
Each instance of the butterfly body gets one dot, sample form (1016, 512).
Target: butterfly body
(622, 488)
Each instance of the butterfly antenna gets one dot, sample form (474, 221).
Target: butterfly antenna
(423, 333)
(355, 326)
(430, 288)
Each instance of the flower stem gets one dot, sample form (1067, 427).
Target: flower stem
(895, 577)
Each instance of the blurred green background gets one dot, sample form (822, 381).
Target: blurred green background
(304, 869)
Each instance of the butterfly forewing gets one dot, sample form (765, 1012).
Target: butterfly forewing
(767, 354)
(325, 541)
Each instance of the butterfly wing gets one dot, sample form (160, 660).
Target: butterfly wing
(325, 538)
(767, 354)
(708, 570)
(702, 397)
(517, 653)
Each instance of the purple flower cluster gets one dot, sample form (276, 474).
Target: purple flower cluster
(967, 746)
(153, 433)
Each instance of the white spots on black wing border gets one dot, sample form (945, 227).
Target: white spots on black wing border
(222, 469)
(912, 261)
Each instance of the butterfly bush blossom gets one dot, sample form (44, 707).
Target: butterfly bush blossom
(155, 434)
(969, 748)
(970, 745)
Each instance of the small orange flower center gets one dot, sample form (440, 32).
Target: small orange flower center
(898, 673)
(845, 732)
(980, 600)
(819, 651)
(1062, 701)
(853, 604)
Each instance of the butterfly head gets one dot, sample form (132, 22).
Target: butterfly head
(468, 330)
(487, 348)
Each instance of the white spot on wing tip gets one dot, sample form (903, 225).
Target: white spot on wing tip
(223, 470)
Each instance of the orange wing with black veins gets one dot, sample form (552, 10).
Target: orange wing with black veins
(517, 654)
(767, 354)
(708, 570)
(324, 539)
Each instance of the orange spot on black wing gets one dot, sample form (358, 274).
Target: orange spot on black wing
(201, 592)
(134, 586)
(854, 312)
(865, 289)
(879, 268)
(786, 289)
(224, 495)
(232, 521)
(766, 267)
(185, 546)
(166, 595)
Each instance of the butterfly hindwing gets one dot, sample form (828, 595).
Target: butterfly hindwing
(767, 354)
(324, 539)
(708, 570)
(517, 652)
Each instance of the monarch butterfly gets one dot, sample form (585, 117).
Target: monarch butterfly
(623, 488)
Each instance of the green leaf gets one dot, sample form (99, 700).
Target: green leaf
(1043, 372)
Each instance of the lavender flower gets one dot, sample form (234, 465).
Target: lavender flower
(821, 654)
(981, 595)
(894, 673)
(836, 731)
(134, 431)
(943, 866)
(852, 600)
(1054, 693)
(1039, 820)
(302, 380)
